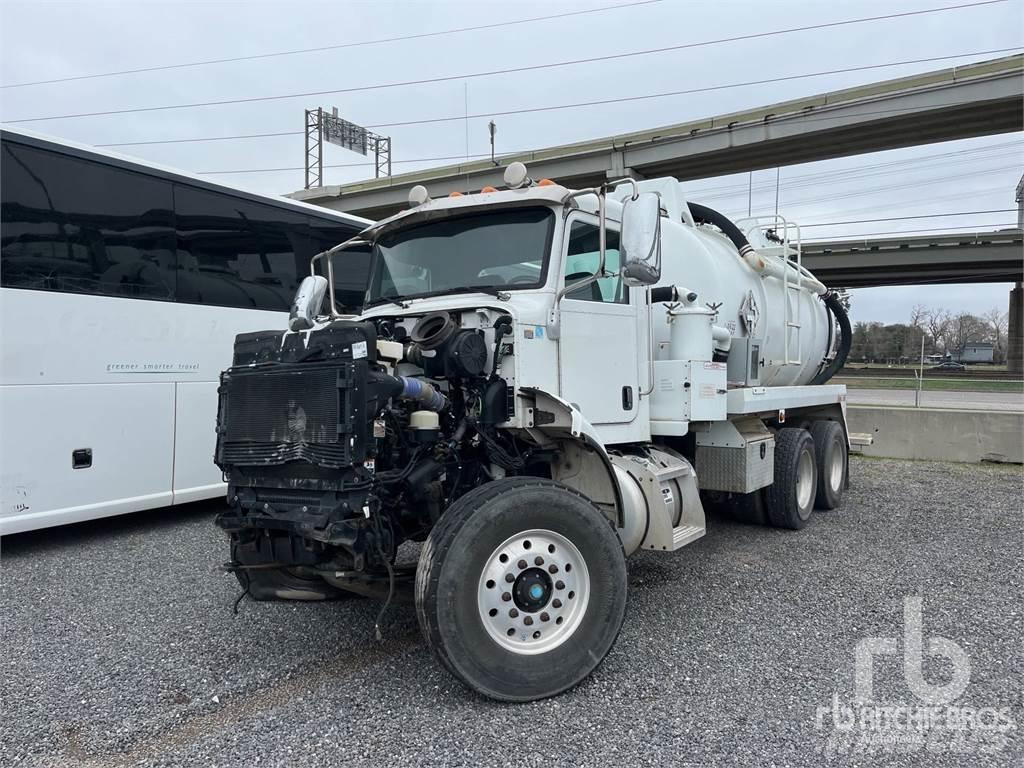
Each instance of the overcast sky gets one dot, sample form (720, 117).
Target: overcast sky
(45, 40)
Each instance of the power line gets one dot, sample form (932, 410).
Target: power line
(198, 139)
(527, 68)
(361, 165)
(845, 173)
(358, 44)
(971, 229)
(631, 98)
(846, 194)
(907, 218)
(687, 91)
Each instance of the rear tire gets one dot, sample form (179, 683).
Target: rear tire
(789, 500)
(831, 449)
(521, 588)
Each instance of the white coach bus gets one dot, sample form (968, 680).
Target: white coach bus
(122, 286)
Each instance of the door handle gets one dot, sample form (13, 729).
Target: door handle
(627, 398)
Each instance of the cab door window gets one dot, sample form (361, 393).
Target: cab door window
(583, 259)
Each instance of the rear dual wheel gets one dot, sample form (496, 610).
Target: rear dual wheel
(521, 588)
(810, 471)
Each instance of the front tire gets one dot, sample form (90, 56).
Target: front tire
(521, 588)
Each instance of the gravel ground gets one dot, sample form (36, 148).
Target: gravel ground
(120, 648)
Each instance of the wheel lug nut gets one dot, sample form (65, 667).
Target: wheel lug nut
(522, 564)
(513, 614)
(556, 603)
(509, 578)
(545, 617)
(506, 596)
(552, 569)
(538, 560)
(528, 621)
(559, 584)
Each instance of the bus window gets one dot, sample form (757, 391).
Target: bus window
(76, 226)
(236, 253)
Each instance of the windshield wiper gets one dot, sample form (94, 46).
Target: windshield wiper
(397, 300)
(403, 301)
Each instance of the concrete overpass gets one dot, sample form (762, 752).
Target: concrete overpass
(976, 257)
(973, 257)
(955, 103)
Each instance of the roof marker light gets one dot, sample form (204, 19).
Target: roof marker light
(454, 194)
(488, 189)
(546, 183)
(516, 175)
(418, 196)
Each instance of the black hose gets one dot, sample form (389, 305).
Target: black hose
(704, 215)
(838, 311)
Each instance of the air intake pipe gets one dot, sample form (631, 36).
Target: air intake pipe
(423, 392)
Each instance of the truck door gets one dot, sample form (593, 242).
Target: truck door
(598, 356)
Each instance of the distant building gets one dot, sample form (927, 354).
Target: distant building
(976, 352)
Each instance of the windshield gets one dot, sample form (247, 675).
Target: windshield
(506, 250)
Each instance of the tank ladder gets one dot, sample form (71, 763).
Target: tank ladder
(787, 245)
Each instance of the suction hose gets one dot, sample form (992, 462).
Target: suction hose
(838, 311)
(704, 215)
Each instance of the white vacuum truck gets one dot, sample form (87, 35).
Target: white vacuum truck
(542, 382)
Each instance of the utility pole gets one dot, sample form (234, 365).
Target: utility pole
(493, 128)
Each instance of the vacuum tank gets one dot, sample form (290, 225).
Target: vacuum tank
(768, 316)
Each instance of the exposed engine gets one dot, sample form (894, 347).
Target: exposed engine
(320, 431)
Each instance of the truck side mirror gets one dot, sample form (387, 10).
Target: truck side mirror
(641, 239)
(308, 300)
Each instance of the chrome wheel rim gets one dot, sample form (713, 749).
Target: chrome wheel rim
(805, 482)
(533, 592)
(836, 468)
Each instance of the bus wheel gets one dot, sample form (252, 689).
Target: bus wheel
(789, 500)
(521, 588)
(831, 449)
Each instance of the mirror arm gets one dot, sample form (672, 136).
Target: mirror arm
(328, 254)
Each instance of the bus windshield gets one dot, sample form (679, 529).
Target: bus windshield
(506, 249)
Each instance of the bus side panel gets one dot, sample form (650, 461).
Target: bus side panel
(128, 430)
(195, 475)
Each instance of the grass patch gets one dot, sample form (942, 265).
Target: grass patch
(931, 385)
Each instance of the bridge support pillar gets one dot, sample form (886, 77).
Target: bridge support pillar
(1015, 331)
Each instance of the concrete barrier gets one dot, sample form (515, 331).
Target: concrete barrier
(939, 434)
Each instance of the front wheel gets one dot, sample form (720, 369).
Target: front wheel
(521, 588)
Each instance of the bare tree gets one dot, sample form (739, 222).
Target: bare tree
(965, 328)
(919, 316)
(997, 321)
(937, 322)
